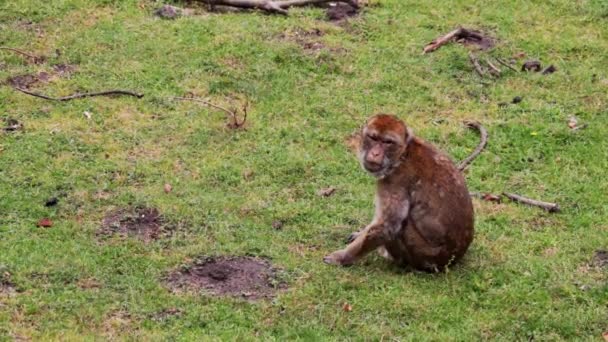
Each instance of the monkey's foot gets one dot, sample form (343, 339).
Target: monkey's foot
(340, 258)
(352, 237)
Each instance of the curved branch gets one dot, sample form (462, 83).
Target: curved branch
(550, 207)
(272, 6)
(81, 95)
(483, 141)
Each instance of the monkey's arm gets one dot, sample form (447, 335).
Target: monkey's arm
(367, 240)
(383, 229)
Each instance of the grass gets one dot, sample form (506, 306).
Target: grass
(524, 277)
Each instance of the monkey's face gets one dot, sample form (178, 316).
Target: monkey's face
(382, 145)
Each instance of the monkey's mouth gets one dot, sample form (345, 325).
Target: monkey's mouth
(373, 167)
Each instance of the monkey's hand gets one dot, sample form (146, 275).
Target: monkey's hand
(340, 258)
(352, 237)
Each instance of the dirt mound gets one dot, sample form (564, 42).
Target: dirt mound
(247, 277)
(145, 223)
(341, 11)
(600, 259)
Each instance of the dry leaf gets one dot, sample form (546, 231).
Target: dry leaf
(45, 222)
(247, 174)
(490, 197)
(87, 114)
(347, 307)
(551, 251)
(326, 192)
(277, 225)
(572, 122)
(519, 55)
(168, 188)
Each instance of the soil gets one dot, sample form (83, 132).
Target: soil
(305, 38)
(23, 81)
(600, 258)
(64, 69)
(145, 223)
(167, 314)
(341, 11)
(475, 38)
(531, 65)
(247, 277)
(11, 125)
(26, 81)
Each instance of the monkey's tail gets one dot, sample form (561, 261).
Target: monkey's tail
(483, 141)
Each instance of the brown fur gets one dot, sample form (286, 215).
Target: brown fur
(424, 214)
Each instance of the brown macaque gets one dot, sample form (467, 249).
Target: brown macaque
(424, 214)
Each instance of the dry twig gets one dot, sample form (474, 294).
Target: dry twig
(35, 59)
(476, 64)
(483, 141)
(81, 95)
(493, 67)
(271, 6)
(499, 60)
(550, 207)
(235, 122)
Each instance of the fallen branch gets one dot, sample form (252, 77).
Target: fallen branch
(469, 36)
(271, 6)
(235, 122)
(476, 64)
(550, 207)
(499, 60)
(483, 141)
(489, 197)
(81, 95)
(35, 59)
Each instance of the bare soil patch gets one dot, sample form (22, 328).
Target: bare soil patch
(24, 81)
(306, 39)
(145, 223)
(11, 125)
(7, 288)
(63, 70)
(600, 258)
(247, 277)
(341, 11)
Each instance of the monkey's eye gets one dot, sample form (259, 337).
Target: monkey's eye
(372, 137)
(388, 142)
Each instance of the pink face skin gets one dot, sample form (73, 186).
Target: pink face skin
(382, 145)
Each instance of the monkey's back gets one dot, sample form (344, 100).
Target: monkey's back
(440, 225)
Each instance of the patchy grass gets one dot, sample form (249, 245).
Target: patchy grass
(527, 275)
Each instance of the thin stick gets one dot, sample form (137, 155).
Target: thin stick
(475, 62)
(550, 207)
(193, 99)
(492, 66)
(21, 52)
(81, 95)
(277, 7)
(505, 64)
(483, 141)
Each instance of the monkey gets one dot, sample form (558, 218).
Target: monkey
(423, 212)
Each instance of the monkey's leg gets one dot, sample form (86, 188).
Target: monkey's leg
(370, 239)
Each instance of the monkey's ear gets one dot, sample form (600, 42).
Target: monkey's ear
(409, 135)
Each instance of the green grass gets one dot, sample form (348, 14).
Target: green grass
(523, 278)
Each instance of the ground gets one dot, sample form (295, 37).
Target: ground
(256, 190)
